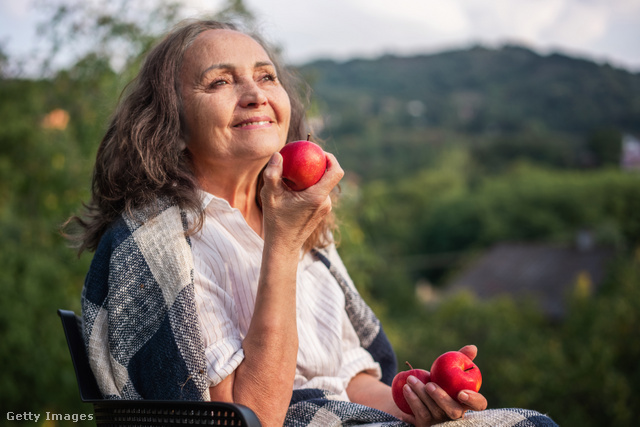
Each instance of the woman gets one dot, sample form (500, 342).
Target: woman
(211, 279)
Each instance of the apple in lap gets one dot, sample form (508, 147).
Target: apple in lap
(454, 372)
(400, 380)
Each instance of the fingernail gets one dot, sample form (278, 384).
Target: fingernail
(431, 387)
(463, 396)
(412, 380)
(407, 389)
(274, 160)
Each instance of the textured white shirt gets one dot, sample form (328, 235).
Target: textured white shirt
(227, 255)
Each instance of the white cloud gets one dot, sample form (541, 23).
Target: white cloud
(199, 7)
(523, 20)
(437, 15)
(15, 9)
(580, 24)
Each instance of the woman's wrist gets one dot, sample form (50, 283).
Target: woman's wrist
(367, 390)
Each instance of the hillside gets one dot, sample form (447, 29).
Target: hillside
(478, 94)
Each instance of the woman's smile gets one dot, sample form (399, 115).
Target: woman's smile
(254, 123)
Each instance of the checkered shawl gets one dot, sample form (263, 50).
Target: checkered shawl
(142, 333)
(315, 408)
(140, 319)
(140, 322)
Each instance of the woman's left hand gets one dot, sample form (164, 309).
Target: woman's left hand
(431, 404)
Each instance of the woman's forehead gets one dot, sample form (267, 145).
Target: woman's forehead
(225, 47)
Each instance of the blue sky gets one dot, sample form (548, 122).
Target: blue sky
(602, 30)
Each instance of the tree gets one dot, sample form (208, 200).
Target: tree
(119, 31)
(605, 146)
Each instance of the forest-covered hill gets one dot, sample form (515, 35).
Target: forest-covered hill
(483, 89)
(556, 107)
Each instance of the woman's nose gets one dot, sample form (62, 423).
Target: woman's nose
(252, 95)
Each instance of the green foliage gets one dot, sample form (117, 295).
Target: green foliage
(581, 372)
(540, 146)
(116, 31)
(601, 346)
(40, 175)
(604, 145)
(526, 360)
(450, 210)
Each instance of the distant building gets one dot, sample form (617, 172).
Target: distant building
(544, 273)
(630, 159)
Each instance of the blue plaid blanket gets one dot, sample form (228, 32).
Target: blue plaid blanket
(142, 334)
(314, 408)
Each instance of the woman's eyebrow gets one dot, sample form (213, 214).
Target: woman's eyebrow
(258, 64)
(216, 67)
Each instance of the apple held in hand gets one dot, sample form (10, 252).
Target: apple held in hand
(454, 372)
(303, 164)
(398, 383)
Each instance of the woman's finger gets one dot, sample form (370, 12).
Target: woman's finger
(332, 175)
(444, 403)
(471, 351)
(472, 400)
(428, 409)
(272, 174)
(420, 411)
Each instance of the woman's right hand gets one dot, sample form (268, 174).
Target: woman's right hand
(289, 217)
(432, 405)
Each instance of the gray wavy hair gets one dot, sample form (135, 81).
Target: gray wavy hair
(142, 157)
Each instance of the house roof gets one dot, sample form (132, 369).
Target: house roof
(545, 273)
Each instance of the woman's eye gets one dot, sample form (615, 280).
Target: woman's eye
(270, 77)
(217, 83)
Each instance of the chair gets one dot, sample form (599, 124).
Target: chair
(144, 412)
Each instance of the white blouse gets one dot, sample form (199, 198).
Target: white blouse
(227, 254)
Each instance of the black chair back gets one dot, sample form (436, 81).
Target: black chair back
(87, 384)
(129, 413)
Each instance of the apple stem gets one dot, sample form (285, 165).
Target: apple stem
(309, 136)
(409, 365)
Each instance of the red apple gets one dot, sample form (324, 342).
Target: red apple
(454, 372)
(398, 383)
(303, 164)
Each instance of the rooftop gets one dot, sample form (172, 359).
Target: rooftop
(546, 273)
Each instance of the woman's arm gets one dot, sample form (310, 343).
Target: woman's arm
(367, 390)
(264, 380)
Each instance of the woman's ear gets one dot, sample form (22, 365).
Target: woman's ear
(182, 144)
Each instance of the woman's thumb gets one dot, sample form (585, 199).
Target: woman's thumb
(273, 172)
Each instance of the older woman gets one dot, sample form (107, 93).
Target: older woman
(211, 279)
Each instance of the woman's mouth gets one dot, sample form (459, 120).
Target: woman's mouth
(254, 123)
(258, 123)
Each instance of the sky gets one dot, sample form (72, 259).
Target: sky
(599, 30)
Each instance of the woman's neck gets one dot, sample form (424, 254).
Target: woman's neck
(240, 190)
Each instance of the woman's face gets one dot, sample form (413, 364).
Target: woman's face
(234, 107)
